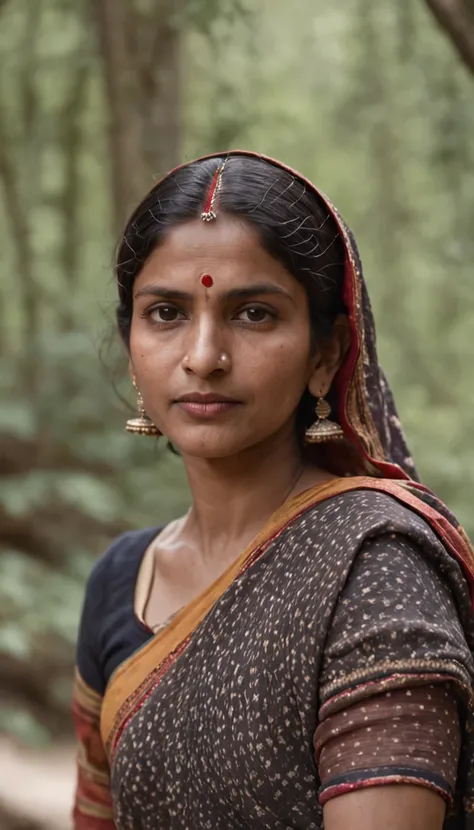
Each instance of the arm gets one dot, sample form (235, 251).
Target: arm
(386, 808)
(93, 801)
(382, 755)
(397, 669)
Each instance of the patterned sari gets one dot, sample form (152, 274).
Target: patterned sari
(218, 719)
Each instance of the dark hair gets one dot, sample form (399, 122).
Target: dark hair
(294, 225)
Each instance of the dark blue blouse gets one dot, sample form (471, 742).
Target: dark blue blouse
(110, 631)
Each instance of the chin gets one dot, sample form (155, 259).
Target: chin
(213, 446)
(210, 451)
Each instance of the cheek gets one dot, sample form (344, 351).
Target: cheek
(281, 373)
(148, 357)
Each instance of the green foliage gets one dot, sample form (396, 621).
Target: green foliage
(367, 99)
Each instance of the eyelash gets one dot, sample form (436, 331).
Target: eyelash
(271, 315)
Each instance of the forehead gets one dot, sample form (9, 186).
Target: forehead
(228, 248)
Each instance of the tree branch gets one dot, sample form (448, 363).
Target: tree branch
(456, 17)
(40, 535)
(31, 683)
(19, 456)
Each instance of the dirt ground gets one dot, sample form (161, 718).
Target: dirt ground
(36, 787)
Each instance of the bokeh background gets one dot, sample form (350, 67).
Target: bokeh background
(373, 100)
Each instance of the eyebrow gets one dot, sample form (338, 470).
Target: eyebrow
(233, 294)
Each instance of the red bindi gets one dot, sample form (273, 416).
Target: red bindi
(207, 281)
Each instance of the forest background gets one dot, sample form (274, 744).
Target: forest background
(373, 100)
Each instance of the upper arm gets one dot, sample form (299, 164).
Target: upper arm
(397, 666)
(93, 802)
(94, 609)
(396, 614)
(395, 611)
(391, 808)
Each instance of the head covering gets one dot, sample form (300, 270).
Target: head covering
(366, 409)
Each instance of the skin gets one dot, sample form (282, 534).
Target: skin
(254, 346)
(247, 458)
(398, 807)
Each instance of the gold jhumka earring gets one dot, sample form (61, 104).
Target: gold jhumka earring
(142, 425)
(323, 429)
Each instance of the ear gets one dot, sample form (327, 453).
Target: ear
(329, 358)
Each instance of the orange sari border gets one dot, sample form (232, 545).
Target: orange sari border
(136, 678)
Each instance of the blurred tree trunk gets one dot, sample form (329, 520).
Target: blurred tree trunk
(19, 186)
(113, 18)
(141, 59)
(71, 124)
(456, 17)
(161, 89)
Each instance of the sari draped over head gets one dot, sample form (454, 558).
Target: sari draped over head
(213, 721)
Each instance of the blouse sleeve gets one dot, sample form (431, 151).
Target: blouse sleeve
(396, 679)
(93, 801)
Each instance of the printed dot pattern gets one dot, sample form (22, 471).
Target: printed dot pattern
(226, 738)
(417, 727)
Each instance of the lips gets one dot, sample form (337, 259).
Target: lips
(205, 398)
(206, 406)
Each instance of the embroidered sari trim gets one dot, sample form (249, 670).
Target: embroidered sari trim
(384, 776)
(137, 677)
(93, 801)
(390, 675)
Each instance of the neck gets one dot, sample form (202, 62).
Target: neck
(234, 497)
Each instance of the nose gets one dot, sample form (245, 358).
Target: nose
(206, 351)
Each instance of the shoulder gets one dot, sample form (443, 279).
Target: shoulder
(120, 561)
(345, 522)
(398, 611)
(395, 564)
(371, 507)
(110, 587)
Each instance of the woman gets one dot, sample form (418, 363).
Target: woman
(295, 652)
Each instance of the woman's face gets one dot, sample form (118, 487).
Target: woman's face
(221, 368)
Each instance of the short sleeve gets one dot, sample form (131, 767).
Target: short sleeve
(88, 655)
(397, 673)
(406, 736)
(395, 624)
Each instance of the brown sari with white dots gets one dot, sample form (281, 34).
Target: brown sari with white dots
(338, 657)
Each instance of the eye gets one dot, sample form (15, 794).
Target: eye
(255, 314)
(165, 313)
